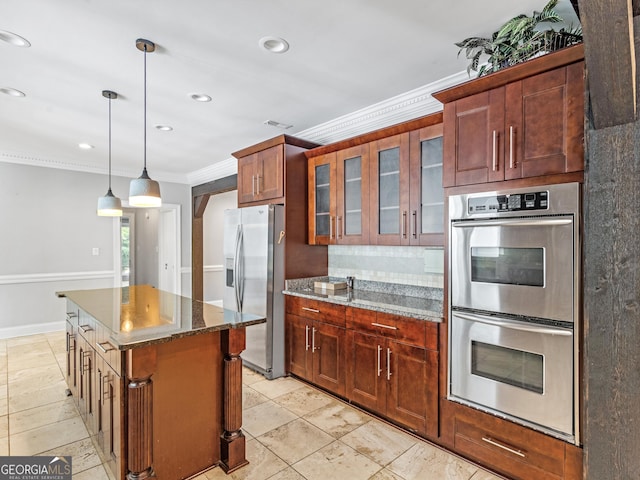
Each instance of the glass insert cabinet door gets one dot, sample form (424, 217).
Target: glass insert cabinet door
(352, 202)
(322, 201)
(427, 194)
(389, 159)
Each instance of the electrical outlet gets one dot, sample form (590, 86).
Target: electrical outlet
(95, 251)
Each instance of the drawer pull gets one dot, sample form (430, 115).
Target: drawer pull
(313, 310)
(374, 324)
(105, 350)
(495, 443)
(86, 328)
(72, 314)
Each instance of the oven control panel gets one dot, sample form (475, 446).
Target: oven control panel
(529, 201)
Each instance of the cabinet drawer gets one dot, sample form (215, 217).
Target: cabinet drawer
(317, 310)
(86, 327)
(362, 320)
(519, 452)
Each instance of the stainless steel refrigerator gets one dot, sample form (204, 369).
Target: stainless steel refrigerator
(254, 280)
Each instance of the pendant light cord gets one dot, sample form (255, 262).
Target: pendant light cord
(145, 110)
(109, 143)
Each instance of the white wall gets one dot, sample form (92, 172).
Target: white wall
(213, 258)
(49, 228)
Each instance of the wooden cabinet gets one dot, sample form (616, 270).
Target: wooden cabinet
(261, 175)
(392, 368)
(272, 170)
(339, 197)
(316, 342)
(524, 122)
(515, 451)
(381, 188)
(109, 430)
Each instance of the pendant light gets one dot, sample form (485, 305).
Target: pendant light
(144, 192)
(109, 205)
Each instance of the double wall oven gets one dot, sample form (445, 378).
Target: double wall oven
(514, 305)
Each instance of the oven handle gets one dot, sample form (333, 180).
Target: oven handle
(515, 222)
(524, 327)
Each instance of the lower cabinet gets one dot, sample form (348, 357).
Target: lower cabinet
(384, 363)
(510, 449)
(109, 427)
(390, 370)
(316, 350)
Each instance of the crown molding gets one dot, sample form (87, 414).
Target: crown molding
(213, 172)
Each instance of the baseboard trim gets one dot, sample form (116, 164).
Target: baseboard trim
(34, 329)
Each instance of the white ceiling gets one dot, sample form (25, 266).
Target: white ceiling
(345, 56)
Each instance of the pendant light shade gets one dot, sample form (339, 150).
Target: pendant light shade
(109, 205)
(144, 192)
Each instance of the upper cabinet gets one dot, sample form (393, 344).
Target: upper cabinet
(526, 121)
(339, 197)
(261, 175)
(383, 188)
(263, 169)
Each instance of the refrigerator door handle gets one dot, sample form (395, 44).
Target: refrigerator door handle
(238, 281)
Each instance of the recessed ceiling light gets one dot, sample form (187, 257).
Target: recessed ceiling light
(274, 44)
(200, 97)
(13, 39)
(85, 146)
(12, 92)
(164, 128)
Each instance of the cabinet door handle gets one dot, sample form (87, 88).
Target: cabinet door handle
(495, 151)
(404, 224)
(306, 338)
(105, 350)
(86, 328)
(501, 445)
(68, 343)
(374, 324)
(257, 184)
(415, 224)
(379, 366)
(330, 227)
(339, 227)
(253, 185)
(313, 310)
(388, 364)
(86, 361)
(511, 161)
(313, 340)
(105, 387)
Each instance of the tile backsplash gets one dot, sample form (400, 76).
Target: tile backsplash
(423, 266)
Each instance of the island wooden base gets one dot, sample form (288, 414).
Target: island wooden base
(184, 406)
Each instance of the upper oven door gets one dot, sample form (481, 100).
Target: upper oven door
(522, 266)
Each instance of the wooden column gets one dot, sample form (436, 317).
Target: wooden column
(141, 364)
(612, 304)
(232, 446)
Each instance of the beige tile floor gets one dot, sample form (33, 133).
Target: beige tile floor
(293, 430)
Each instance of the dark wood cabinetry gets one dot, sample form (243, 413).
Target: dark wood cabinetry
(316, 342)
(392, 368)
(515, 451)
(261, 175)
(382, 188)
(385, 363)
(339, 197)
(263, 169)
(524, 122)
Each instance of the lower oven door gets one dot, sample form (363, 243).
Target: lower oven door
(519, 370)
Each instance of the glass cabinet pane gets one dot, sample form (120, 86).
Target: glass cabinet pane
(353, 196)
(432, 193)
(323, 193)
(389, 191)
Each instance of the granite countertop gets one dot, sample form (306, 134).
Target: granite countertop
(417, 302)
(140, 315)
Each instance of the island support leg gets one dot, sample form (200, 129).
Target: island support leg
(141, 365)
(232, 447)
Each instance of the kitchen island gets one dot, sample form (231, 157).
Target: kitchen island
(157, 379)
